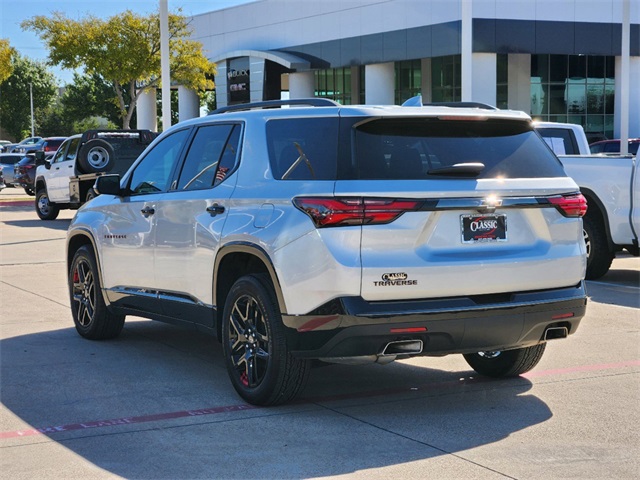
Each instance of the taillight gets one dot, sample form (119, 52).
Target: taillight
(338, 212)
(574, 205)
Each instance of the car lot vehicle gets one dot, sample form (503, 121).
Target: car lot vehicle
(25, 174)
(341, 234)
(7, 162)
(564, 138)
(27, 141)
(66, 179)
(3, 144)
(613, 146)
(49, 145)
(610, 184)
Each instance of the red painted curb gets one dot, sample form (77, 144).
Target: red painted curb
(16, 203)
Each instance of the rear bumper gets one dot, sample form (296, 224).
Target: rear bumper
(353, 327)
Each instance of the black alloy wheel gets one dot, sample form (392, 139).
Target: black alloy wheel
(260, 367)
(91, 316)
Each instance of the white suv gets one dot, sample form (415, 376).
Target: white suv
(339, 233)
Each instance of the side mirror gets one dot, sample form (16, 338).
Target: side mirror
(40, 157)
(108, 185)
(47, 164)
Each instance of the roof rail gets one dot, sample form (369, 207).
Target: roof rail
(312, 102)
(483, 106)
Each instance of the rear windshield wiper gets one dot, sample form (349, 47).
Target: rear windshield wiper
(470, 169)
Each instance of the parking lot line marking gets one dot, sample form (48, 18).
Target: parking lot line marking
(126, 421)
(243, 407)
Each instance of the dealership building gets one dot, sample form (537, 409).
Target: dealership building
(574, 61)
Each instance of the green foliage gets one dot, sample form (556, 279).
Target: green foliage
(15, 108)
(124, 51)
(53, 122)
(6, 55)
(90, 96)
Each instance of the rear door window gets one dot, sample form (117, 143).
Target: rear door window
(211, 157)
(303, 148)
(409, 148)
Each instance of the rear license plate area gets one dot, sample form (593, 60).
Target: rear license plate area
(483, 228)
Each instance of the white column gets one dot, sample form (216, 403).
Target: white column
(466, 61)
(379, 84)
(146, 111)
(302, 85)
(188, 103)
(519, 79)
(222, 96)
(623, 79)
(256, 77)
(484, 67)
(632, 95)
(165, 74)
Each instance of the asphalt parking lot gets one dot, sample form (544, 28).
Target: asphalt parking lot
(156, 403)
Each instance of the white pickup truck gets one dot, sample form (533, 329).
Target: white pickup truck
(611, 186)
(66, 180)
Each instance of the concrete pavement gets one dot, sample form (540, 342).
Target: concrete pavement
(157, 403)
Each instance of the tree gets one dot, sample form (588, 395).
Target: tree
(6, 55)
(15, 107)
(90, 96)
(125, 51)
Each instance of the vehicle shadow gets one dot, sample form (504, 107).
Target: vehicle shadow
(59, 224)
(401, 412)
(618, 287)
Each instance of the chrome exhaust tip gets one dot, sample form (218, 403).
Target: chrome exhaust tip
(553, 333)
(402, 347)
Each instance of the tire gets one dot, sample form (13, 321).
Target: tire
(29, 191)
(260, 367)
(90, 314)
(44, 208)
(91, 194)
(96, 156)
(599, 256)
(507, 363)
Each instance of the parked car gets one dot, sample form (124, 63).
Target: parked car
(613, 146)
(49, 145)
(563, 138)
(7, 161)
(3, 145)
(27, 141)
(343, 234)
(66, 180)
(25, 174)
(611, 185)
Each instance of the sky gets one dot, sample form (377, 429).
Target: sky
(13, 12)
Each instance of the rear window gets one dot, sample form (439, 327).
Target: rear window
(303, 148)
(405, 149)
(561, 140)
(10, 159)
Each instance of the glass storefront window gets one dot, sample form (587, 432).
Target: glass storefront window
(335, 84)
(574, 88)
(446, 79)
(408, 80)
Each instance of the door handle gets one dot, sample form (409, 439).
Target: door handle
(146, 211)
(215, 209)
